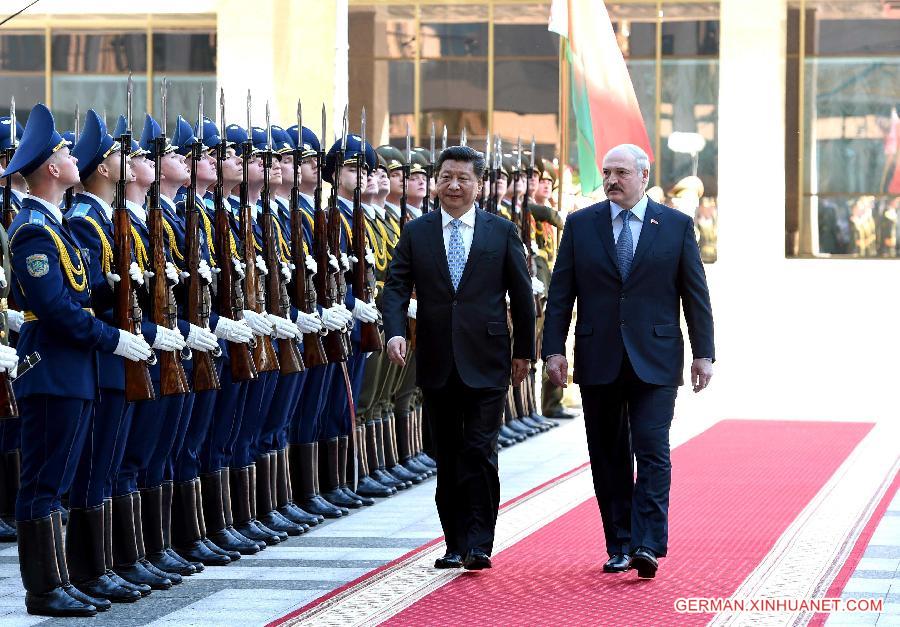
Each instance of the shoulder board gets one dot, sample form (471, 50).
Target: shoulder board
(80, 210)
(36, 217)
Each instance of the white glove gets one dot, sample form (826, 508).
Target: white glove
(334, 319)
(261, 265)
(348, 315)
(132, 347)
(168, 339)
(413, 308)
(259, 324)
(148, 275)
(286, 271)
(333, 261)
(284, 328)
(537, 286)
(233, 330)
(200, 339)
(8, 357)
(15, 319)
(535, 249)
(172, 272)
(204, 271)
(136, 275)
(185, 276)
(112, 278)
(345, 262)
(370, 257)
(239, 266)
(308, 323)
(3, 282)
(365, 312)
(311, 265)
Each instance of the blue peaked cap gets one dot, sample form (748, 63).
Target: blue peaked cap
(40, 140)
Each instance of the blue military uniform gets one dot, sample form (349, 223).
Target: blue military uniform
(58, 286)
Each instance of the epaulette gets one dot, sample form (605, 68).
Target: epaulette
(80, 210)
(37, 218)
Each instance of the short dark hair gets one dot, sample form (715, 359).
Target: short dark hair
(464, 154)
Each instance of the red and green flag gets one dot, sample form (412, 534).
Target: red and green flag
(606, 108)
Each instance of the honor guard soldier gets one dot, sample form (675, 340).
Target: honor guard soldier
(58, 286)
(308, 419)
(337, 425)
(90, 499)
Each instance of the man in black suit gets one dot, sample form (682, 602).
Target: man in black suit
(630, 262)
(462, 263)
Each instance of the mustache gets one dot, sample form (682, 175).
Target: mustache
(613, 188)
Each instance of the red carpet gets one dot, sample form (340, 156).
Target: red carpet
(735, 489)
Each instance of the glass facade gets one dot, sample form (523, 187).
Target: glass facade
(64, 66)
(843, 178)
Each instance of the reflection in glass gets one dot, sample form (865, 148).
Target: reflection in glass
(182, 99)
(184, 52)
(99, 53)
(454, 31)
(28, 90)
(22, 52)
(526, 100)
(454, 93)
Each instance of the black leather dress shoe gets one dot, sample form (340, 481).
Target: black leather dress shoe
(476, 559)
(618, 563)
(645, 562)
(562, 414)
(450, 560)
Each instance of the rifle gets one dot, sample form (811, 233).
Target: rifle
(163, 309)
(8, 406)
(199, 299)
(8, 213)
(334, 231)
(303, 292)
(277, 302)
(487, 177)
(495, 174)
(363, 274)
(264, 356)
(526, 225)
(70, 191)
(230, 290)
(128, 314)
(326, 278)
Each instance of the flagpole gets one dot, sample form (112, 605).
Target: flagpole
(563, 121)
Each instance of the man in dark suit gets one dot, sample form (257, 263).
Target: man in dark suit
(462, 263)
(630, 262)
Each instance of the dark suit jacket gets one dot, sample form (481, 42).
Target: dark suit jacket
(641, 316)
(469, 324)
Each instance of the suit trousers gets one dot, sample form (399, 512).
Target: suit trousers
(629, 420)
(465, 423)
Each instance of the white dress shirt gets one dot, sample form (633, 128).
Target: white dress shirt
(466, 229)
(54, 210)
(107, 210)
(635, 223)
(139, 212)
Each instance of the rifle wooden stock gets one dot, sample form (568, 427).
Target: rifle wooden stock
(364, 281)
(230, 292)
(264, 357)
(326, 286)
(303, 292)
(527, 239)
(164, 310)
(277, 302)
(205, 376)
(138, 386)
(334, 243)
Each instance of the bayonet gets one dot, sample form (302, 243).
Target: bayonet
(344, 129)
(431, 144)
(518, 154)
(444, 139)
(200, 116)
(268, 128)
(463, 138)
(532, 152)
(77, 115)
(363, 132)
(129, 103)
(12, 126)
(249, 124)
(104, 117)
(408, 146)
(222, 118)
(299, 124)
(164, 97)
(299, 136)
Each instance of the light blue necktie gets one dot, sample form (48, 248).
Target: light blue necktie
(456, 253)
(625, 246)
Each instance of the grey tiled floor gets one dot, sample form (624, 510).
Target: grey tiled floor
(877, 576)
(260, 588)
